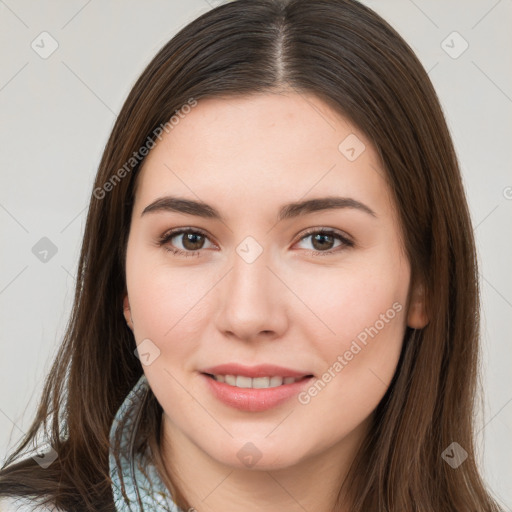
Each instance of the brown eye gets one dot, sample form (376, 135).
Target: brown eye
(323, 240)
(191, 241)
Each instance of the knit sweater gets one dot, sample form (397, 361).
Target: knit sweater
(137, 475)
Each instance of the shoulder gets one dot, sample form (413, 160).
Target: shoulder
(12, 504)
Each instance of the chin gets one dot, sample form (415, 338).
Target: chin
(257, 455)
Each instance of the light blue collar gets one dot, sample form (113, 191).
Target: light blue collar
(138, 476)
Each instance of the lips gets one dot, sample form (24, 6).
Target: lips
(241, 381)
(262, 370)
(255, 388)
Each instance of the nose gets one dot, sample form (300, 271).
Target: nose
(252, 301)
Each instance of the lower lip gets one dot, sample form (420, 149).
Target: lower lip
(254, 400)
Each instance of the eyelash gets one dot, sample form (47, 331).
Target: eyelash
(166, 237)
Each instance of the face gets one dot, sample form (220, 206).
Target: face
(319, 293)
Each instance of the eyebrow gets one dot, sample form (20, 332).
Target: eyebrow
(287, 211)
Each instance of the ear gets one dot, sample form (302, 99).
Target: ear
(127, 312)
(417, 316)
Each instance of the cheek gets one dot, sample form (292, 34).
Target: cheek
(352, 300)
(167, 302)
(362, 309)
(367, 314)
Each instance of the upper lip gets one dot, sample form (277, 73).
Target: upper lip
(261, 370)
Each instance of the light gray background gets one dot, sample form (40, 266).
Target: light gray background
(56, 115)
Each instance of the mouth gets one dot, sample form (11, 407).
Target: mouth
(242, 381)
(256, 388)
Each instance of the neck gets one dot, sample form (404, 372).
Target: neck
(311, 484)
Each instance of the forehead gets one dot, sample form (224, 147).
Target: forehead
(253, 151)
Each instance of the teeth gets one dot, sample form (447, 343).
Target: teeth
(229, 379)
(243, 382)
(261, 382)
(275, 381)
(240, 381)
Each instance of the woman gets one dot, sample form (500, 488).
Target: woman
(219, 355)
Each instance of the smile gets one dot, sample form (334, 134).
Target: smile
(254, 394)
(241, 381)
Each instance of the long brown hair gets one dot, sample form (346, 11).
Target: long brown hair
(348, 56)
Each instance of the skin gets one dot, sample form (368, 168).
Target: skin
(247, 156)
